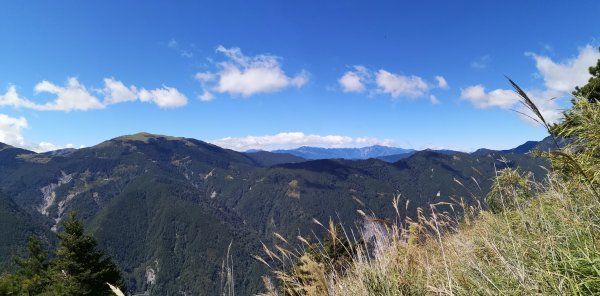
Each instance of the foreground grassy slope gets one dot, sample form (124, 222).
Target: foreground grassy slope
(548, 247)
(538, 237)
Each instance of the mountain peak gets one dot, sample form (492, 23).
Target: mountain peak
(148, 138)
(145, 137)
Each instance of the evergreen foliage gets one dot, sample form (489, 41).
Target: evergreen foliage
(582, 126)
(77, 267)
(32, 276)
(591, 90)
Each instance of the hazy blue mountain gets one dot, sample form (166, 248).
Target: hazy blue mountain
(345, 153)
(523, 148)
(549, 144)
(527, 147)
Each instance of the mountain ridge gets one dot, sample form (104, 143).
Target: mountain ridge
(170, 206)
(374, 151)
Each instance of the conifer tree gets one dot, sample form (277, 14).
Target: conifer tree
(79, 267)
(591, 90)
(32, 277)
(33, 272)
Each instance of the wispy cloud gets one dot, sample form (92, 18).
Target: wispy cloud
(242, 75)
(434, 100)
(288, 140)
(481, 62)
(174, 45)
(442, 83)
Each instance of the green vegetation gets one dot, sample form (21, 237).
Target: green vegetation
(77, 267)
(166, 209)
(591, 90)
(534, 237)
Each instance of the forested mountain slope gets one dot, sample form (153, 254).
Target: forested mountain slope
(166, 208)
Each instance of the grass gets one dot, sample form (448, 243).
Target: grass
(530, 238)
(548, 245)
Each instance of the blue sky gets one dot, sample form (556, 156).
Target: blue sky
(281, 74)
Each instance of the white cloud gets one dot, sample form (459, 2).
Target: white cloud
(290, 140)
(11, 98)
(246, 76)
(251, 81)
(45, 146)
(11, 130)
(74, 96)
(508, 99)
(360, 79)
(564, 76)
(548, 106)
(165, 97)
(354, 80)
(560, 78)
(11, 133)
(116, 92)
(477, 95)
(351, 82)
(399, 85)
(300, 79)
(442, 83)
(205, 78)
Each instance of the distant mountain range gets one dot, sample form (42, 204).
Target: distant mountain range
(385, 153)
(376, 151)
(167, 208)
